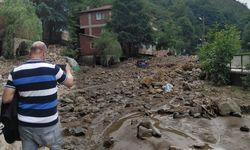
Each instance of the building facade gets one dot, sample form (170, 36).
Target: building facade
(92, 22)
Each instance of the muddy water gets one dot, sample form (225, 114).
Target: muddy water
(221, 133)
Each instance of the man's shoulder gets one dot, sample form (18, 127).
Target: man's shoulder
(33, 65)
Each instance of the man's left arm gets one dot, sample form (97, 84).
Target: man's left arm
(9, 90)
(8, 95)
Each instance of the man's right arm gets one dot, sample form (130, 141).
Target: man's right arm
(65, 77)
(69, 82)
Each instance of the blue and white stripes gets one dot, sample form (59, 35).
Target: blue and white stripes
(36, 83)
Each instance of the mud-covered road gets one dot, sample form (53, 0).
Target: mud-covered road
(105, 106)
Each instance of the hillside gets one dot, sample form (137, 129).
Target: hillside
(181, 24)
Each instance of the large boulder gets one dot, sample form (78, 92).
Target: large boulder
(228, 107)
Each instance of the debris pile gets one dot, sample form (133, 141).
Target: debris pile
(167, 86)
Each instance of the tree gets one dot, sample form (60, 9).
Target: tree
(53, 14)
(246, 37)
(109, 46)
(131, 24)
(217, 53)
(20, 20)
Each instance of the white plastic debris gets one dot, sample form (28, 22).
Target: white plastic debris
(168, 88)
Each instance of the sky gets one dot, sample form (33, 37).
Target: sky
(246, 1)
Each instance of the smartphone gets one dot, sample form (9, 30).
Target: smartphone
(62, 66)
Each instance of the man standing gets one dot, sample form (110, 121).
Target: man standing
(36, 83)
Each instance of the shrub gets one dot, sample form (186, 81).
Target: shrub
(217, 53)
(110, 48)
(20, 21)
(70, 53)
(246, 80)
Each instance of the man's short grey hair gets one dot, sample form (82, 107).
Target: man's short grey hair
(38, 46)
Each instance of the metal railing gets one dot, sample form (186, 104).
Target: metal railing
(239, 63)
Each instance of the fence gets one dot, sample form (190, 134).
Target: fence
(239, 63)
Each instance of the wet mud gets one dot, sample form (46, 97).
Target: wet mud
(221, 133)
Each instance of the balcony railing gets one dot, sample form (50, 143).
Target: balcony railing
(239, 63)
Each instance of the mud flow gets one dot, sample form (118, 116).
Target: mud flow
(187, 133)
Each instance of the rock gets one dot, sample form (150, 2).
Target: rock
(244, 129)
(94, 109)
(67, 108)
(147, 81)
(161, 111)
(158, 90)
(80, 99)
(236, 114)
(178, 115)
(78, 131)
(195, 112)
(200, 146)
(164, 112)
(148, 125)
(152, 91)
(173, 148)
(67, 100)
(157, 84)
(158, 96)
(108, 143)
(124, 83)
(227, 107)
(128, 105)
(85, 69)
(186, 86)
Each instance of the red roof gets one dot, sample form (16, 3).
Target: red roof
(105, 7)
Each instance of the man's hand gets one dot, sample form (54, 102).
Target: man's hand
(8, 95)
(70, 80)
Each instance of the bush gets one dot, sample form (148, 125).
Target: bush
(70, 53)
(246, 80)
(217, 53)
(20, 20)
(110, 48)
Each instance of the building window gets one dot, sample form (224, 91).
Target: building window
(100, 16)
(92, 45)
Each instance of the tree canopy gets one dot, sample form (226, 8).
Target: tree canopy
(131, 24)
(179, 24)
(20, 20)
(217, 53)
(53, 14)
(246, 37)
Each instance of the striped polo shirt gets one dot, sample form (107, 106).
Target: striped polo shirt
(36, 82)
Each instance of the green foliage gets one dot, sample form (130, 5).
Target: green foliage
(217, 53)
(53, 14)
(246, 37)
(20, 21)
(109, 46)
(246, 80)
(70, 53)
(131, 24)
(176, 22)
